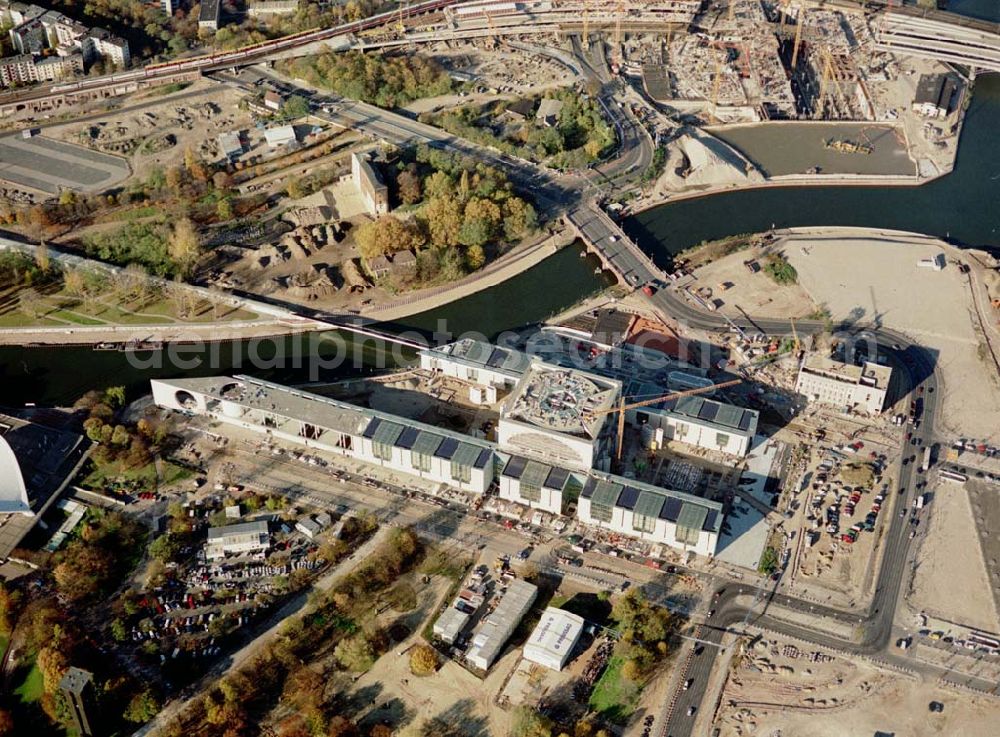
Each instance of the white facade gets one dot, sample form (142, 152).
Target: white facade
(702, 423)
(559, 416)
(553, 640)
(534, 484)
(376, 438)
(257, 8)
(282, 136)
(450, 624)
(249, 537)
(13, 492)
(858, 388)
(652, 514)
(477, 362)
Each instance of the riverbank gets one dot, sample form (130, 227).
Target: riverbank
(881, 278)
(90, 335)
(509, 265)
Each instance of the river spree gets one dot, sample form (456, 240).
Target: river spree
(963, 206)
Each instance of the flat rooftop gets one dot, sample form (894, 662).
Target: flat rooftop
(47, 458)
(870, 374)
(479, 354)
(563, 400)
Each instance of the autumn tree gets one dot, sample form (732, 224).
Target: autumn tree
(30, 302)
(387, 235)
(42, 258)
(74, 283)
(184, 245)
(142, 707)
(410, 190)
(423, 660)
(479, 222)
(519, 218)
(443, 217)
(6, 723)
(475, 257)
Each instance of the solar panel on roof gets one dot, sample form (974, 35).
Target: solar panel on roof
(588, 488)
(606, 493)
(372, 427)
(447, 448)
(708, 411)
(407, 438)
(671, 509)
(628, 498)
(535, 473)
(692, 516)
(484, 457)
(466, 454)
(745, 420)
(710, 520)
(557, 478)
(497, 358)
(515, 467)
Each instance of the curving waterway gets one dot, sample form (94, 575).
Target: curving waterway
(963, 206)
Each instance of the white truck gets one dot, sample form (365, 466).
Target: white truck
(918, 503)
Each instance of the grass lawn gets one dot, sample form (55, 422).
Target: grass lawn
(101, 475)
(75, 318)
(614, 696)
(30, 689)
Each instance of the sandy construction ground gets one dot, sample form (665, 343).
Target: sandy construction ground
(871, 278)
(950, 580)
(755, 294)
(792, 689)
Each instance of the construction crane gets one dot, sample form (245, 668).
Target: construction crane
(715, 86)
(799, 22)
(622, 408)
(618, 25)
(586, 24)
(795, 335)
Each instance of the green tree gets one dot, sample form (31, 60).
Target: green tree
(355, 653)
(479, 222)
(296, 106)
(142, 707)
(118, 631)
(439, 184)
(529, 723)
(519, 218)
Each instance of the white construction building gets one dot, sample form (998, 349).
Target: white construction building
(376, 438)
(450, 624)
(699, 422)
(560, 416)
(477, 362)
(854, 388)
(552, 641)
(13, 492)
(497, 628)
(650, 513)
(248, 537)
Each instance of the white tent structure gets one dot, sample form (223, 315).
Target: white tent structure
(554, 638)
(13, 493)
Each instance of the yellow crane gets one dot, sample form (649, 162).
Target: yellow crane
(795, 334)
(716, 83)
(618, 25)
(586, 23)
(622, 408)
(799, 22)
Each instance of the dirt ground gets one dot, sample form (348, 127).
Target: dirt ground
(791, 689)
(950, 580)
(156, 131)
(871, 277)
(757, 294)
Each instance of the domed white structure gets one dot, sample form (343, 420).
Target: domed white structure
(13, 494)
